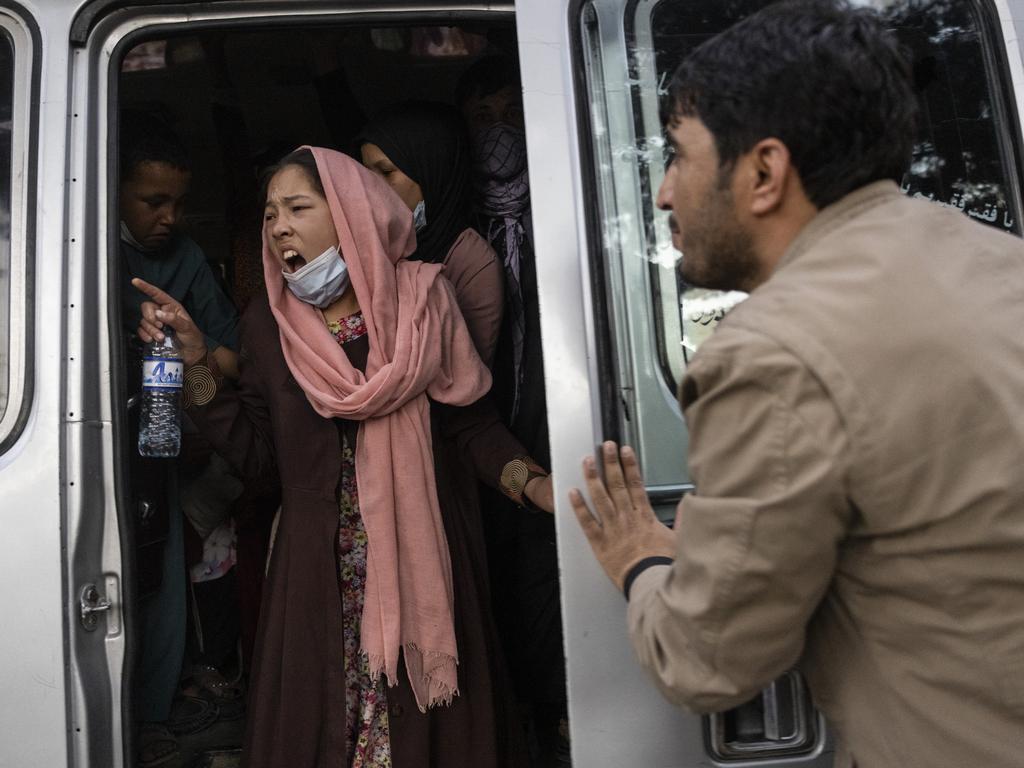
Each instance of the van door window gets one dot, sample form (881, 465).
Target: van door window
(15, 81)
(964, 158)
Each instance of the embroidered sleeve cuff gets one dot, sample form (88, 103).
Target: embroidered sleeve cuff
(640, 567)
(202, 380)
(515, 476)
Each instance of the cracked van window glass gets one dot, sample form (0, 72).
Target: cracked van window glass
(6, 117)
(963, 154)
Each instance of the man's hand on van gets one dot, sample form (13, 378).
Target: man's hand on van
(165, 310)
(624, 529)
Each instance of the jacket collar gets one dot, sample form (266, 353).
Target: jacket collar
(838, 213)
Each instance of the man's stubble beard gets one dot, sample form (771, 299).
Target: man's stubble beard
(724, 257)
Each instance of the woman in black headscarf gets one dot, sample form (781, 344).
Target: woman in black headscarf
(422, 152)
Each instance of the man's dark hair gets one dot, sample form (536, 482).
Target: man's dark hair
(823, 77)
(145, 138)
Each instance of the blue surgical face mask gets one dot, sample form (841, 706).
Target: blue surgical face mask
(419, 215)
(322, 281)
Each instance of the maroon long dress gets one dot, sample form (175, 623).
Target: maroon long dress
(298, 704)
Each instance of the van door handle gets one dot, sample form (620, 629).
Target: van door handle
(90, 604)
(779, 722)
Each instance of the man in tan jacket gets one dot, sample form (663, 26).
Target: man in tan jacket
(857, 425)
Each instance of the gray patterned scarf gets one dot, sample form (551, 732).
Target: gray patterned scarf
(503, 194)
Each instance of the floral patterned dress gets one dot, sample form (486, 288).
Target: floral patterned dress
(367, 742)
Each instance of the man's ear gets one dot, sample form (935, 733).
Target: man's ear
(771, 173)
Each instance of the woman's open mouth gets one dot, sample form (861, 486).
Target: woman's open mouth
(293, 260)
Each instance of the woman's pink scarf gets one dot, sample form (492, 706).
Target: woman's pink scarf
(419, 347)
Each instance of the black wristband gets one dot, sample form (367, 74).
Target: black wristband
(639, 568)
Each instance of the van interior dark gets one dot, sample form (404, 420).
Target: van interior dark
(240, 99)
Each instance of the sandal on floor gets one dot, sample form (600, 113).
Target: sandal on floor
(156, 745)
(208, 682)
(191, 714)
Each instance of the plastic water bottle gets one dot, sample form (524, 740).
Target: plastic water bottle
(163, 372)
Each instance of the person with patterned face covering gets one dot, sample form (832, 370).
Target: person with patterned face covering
(490, 101)
(524, 558)
(422, 151)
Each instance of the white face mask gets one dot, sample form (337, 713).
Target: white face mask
(419, 215)
(322, 281)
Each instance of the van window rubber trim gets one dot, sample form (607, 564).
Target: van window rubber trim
(612, 406)
(29, 245)
(92, 13)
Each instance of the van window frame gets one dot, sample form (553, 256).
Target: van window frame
(93, 14)
(26, 43)
(619, 418)
(611, 406)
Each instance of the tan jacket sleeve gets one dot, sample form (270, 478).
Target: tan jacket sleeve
(757, 541)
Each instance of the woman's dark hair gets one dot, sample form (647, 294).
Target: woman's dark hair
(300, 158)
(145, 138)
(428, 143)
(823, 77)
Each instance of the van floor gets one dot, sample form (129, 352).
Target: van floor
(219, 746)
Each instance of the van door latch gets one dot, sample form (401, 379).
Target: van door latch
(780, 722)
(91, 603)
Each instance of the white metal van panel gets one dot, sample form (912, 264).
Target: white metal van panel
(1011, 17)
(616, 716)
(33, 714)
(96, 655)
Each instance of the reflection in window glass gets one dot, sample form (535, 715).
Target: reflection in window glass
(701, 310)
(6, 109)
(959, 159)
(151, 55)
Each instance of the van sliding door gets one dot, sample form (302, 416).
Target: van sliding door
(619, 328)
(32, 708)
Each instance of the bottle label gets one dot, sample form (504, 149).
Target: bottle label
(161, 373)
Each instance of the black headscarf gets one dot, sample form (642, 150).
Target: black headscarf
(427, 142)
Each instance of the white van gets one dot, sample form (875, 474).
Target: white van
(617, 326)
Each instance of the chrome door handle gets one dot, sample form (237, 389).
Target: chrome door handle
(779, 722)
